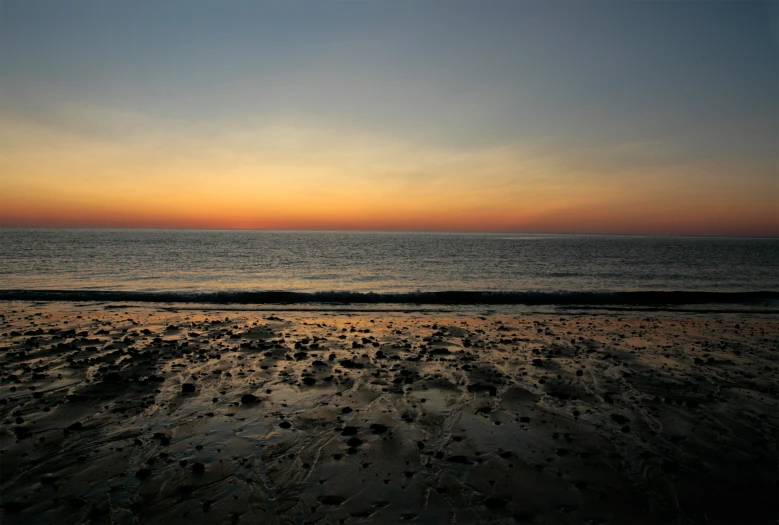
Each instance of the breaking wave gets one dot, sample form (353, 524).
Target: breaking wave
(635, 298)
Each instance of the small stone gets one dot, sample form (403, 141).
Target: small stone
(248, 399)
(22, 432)
(619, 419)
(187, 388)
(331, 500)
(48, 479)
(112, 377)
(377, 428)
(495, 503)
(458, 459)
(478, 387)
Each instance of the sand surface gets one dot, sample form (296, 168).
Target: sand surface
(125, 414)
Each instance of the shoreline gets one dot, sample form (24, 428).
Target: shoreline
(505, 415)
(464, 298)
(765, 308)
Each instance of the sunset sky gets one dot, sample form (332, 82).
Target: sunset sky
(577, 116)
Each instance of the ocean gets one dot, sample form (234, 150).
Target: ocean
(252, 266)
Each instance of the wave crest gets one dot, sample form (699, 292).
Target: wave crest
(455, 297)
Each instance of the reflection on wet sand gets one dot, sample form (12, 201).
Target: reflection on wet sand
(154, 415)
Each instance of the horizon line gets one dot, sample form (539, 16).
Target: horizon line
(410, 231)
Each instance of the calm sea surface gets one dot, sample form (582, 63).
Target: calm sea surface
(214, 261)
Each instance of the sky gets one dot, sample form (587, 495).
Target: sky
(647, 117)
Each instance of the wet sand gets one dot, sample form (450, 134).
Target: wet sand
(125, 414)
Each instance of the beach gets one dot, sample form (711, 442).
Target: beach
(139, 413)
(333, 262)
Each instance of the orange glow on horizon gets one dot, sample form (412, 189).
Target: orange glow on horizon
(334, 180)
(224, 215)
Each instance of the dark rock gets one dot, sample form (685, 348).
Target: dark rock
(349, 431)
(479, 387)
(48, 479)
(78, 503)
(377, 428)
(619, 419)
(187, 388)
(143, 473)
(458, 459)
(22, 432)
(309, 381)
(493, 502)
(248, 399)
(198, 468)
(331, 500)
(112, 377)
(76, 398)
(354, 442)
(285, 424)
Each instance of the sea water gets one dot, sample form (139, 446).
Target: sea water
(228, 261)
